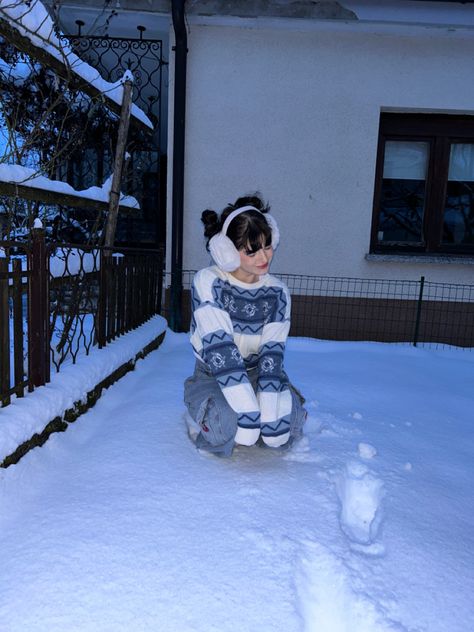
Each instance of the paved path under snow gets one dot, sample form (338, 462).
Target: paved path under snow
(119, 525)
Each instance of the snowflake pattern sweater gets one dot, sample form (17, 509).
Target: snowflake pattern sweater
(239, 326)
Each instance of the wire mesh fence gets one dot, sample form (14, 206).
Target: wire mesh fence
(447, 314)
(57, 302)
(384, 310)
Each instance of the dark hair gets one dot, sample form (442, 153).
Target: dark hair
(248, 231)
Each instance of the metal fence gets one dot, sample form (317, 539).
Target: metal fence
(343, 308)
(58, 301)
(66, 135)
(145, 177)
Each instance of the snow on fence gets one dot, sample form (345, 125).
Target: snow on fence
(58, 301)
(384, 310)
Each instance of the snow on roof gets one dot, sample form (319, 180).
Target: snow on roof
(34, 22)
(16, 174)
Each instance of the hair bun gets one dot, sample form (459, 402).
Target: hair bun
(211, 222)
(253, 199)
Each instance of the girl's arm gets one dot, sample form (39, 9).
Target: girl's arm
(274, 397)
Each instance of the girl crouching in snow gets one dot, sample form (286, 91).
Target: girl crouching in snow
(239, 392)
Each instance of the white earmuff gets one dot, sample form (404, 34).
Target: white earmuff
(275, 230)
(224, 253)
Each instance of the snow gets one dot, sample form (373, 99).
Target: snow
(71, 261)
(17, 174)
(33, 21)
(360, 494)
(29, 415)
(17, 72)
(366, 525)
(367, 451)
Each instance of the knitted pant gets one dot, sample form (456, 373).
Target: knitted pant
(218, 422)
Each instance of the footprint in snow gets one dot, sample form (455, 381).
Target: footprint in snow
(258, 540)
(360, 493)
(327, 599)
(249, 492)
(301, 452)
(332, 426)
(366, 451)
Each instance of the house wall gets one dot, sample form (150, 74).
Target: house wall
(295, 115)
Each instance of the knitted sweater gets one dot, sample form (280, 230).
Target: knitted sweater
(238, 326)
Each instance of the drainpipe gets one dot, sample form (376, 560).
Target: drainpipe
(180, 49)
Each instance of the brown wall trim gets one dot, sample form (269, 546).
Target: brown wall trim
(374, 319)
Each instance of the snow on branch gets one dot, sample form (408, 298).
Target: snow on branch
(30, 28)
(28, 184)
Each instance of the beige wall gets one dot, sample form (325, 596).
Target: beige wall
(295, 115)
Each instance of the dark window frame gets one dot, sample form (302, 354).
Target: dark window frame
(439, 131)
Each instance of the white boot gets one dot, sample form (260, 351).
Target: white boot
(192, 427)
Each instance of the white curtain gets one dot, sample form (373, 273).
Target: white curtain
(405, 160)
(461, 162)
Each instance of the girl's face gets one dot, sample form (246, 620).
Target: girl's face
(253, 265)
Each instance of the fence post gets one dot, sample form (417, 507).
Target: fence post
(18, 326)
(418, 312)
(176, 299)
(102, 311)
(4, 334)
(38, 310)
(159, 295)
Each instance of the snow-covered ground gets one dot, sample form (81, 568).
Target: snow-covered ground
(367, 525)
(26, 416)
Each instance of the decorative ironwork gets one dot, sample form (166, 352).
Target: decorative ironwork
(59, 301)
(92, 163)
(96, 295)
(63, 133)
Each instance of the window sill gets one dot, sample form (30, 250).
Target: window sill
(406, 258)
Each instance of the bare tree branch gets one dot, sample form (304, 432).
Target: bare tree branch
(13, 29)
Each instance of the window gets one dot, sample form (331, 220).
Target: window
(424, 189)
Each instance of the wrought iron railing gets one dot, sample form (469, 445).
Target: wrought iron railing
(74, 139)
(58, 301)
(145, 176)
(14, 304)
